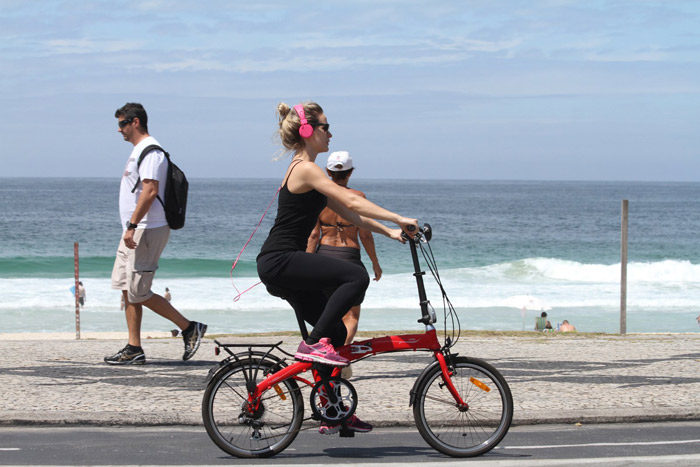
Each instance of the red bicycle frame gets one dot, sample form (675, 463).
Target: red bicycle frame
(427, 341)
(367, 348)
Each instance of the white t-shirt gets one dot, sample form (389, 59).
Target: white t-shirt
(153, 167)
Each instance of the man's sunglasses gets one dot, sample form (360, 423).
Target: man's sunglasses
(324, 126)
(125, 122)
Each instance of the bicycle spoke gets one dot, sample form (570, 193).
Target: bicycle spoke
(236, 392)
(442, 400)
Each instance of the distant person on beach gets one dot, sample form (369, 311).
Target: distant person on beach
(167, 295)
(338, 238)
(301, 278)
(566, 327)
(542, 323)
(145, 234)
(81, 294)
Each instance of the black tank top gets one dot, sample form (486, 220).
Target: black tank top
(296, 218)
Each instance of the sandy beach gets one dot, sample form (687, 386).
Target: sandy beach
(56, 379)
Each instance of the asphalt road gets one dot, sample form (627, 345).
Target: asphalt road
(674, 443)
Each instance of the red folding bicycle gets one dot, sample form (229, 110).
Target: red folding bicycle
(253, 405)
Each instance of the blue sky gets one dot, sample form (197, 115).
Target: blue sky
(545, 90)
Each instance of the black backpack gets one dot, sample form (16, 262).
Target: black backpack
(176, 186)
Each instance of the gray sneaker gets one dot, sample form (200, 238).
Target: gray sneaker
(127, 356)
(193, 339)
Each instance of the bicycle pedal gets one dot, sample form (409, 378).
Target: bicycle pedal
(346, 433)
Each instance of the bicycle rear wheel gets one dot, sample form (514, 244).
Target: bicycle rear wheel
(463, 431)
(242, 431)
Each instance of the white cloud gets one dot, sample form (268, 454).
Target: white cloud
(188, 65)
(475, 45)
(89, 46)
(319, 62)
(640, 56)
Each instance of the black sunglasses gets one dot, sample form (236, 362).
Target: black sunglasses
(324, 126)
(125, 122)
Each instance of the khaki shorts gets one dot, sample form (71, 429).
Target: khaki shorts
(134, 269)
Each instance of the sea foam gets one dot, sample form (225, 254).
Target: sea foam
(559, 283)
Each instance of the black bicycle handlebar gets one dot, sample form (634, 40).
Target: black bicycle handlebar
(423, 232)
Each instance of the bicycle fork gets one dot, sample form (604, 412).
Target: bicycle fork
(442, 362)
(447, 378)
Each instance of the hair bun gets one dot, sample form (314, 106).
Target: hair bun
(283, 110)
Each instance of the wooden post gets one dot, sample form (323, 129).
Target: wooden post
(623, 268)
(77, 290)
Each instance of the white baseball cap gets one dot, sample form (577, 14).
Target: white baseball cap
(339, 161)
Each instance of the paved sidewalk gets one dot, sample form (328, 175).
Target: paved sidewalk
(553, 378)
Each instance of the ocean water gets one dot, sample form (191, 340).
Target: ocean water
(556, 241)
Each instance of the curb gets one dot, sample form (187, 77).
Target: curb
(132, 419)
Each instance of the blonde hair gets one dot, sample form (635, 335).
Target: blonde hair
(289, 123)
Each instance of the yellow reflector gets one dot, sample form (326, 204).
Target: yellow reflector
(278, 389)
(479, 384)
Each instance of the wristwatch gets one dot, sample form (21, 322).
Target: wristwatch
(130, 226)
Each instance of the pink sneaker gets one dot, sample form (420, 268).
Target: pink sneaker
(353, 424)
(321, 352)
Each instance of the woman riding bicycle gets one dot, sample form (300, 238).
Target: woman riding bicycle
(299, 277)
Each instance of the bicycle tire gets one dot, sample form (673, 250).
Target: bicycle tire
(457, 432)
(273, 427)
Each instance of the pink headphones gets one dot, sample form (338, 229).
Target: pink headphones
(305, 130)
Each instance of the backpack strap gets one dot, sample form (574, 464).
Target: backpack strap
(144, 153)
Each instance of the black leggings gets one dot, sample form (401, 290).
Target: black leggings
(301, 278)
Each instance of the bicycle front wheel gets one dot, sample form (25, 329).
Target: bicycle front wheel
(470, 430)
(244, 430)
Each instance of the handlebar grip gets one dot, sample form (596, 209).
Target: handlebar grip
(426, 232)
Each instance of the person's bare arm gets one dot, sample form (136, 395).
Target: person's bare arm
(364, 222)
(146, 198)
(347, 204)
(367, 240)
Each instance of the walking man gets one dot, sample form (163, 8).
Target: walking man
(145, 234)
